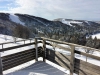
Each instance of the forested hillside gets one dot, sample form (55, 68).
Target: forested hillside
(69, 30)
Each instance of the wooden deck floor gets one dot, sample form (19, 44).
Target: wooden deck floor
(39, 68)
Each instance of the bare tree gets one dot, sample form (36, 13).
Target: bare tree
(21, 32)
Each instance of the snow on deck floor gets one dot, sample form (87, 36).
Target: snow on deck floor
(39, 68)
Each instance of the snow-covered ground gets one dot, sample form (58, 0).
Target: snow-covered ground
(4, 38)
(96, 35)
(15, 18)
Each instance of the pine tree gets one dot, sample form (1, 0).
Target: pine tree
(89, 43)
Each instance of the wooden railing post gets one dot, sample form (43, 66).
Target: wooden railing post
(24, 41)
(72, 60)
(30, 40)
(2, 46)
(44, 50)
(36, 50)
(1, 71)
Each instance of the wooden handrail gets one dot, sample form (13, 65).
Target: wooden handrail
(66, 43)
(88, 55)
(14, 47)
(16, 41)
(73, 52)
(57, 43)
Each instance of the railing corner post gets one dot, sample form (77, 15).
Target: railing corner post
(44, 50)
(36, 50)
(72, 59)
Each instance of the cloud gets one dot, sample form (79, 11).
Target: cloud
(52, 9)
(6, 5)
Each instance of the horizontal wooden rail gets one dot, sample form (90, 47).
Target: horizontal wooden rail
(66, 43)
(58, 46)
(88, 55)
(14, 47)
(5, 58)
(16, 41)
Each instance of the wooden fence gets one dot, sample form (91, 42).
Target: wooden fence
(75, 65)
(67, 61)
(12, 60)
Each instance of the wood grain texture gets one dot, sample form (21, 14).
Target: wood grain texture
(14, 47)
(79, 67)
(72, 60)
(13, 60)
(58, 58)
(85, 68)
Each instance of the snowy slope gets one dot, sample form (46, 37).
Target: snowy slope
(69, 22)
(15, 18)
(96, 35)
(6, 38)
(87, 22)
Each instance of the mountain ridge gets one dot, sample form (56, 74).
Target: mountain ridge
(42, 27)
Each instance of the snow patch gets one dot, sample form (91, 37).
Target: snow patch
(69, 22)
(96, 35)
(87, 22)
(15, 18)
(6, 38)
(66, 22)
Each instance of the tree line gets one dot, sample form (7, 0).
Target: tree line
(20, 32)
(71, 37)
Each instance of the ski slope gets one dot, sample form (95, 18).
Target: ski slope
(69, 22)
(15, 19)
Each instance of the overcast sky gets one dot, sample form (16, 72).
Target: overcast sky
(52, 9)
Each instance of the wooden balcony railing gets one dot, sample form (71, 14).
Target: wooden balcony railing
(50, 51)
